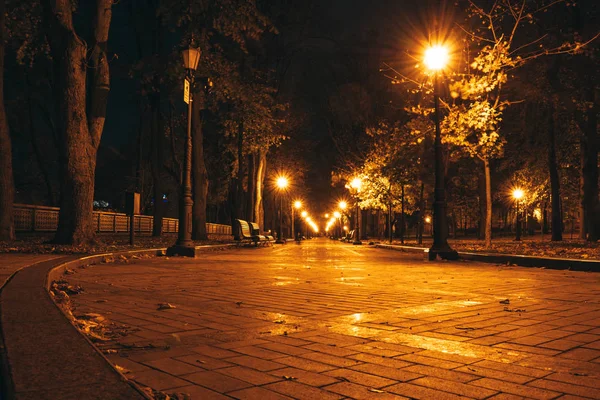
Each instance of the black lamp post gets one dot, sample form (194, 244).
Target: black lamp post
(184, 245)
(517, 195)
(297, 205)
(282, 184)
(355, 185)
(435, 59)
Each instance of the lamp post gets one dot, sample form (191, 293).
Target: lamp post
(436, 58)
(184, 245)
(338, 216)
(342, 205)
(517, 195)
(297, 205)
(304, 216)
(356, 185)
(282, 184)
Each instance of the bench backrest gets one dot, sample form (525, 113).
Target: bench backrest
(243, 231)
(255, 229)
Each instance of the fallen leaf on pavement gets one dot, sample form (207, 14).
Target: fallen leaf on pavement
(505, 301)
(165, 306)
(376, 390)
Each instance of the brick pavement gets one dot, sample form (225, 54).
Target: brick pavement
(325, 320)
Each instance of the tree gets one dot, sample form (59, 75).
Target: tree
(81, 109)
(7, 185)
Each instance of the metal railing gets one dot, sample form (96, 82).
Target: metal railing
(30, 218)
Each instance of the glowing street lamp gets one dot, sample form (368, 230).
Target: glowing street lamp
(436, 58)
(518, 194)
(297, 205)
(282, 184)
(184, 245)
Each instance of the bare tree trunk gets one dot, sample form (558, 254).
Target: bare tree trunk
(80, 128)
(156, 164)
(554, 178)
(240, 181)
(421, 212)
(402, 216)
(488, 203)
(481, 185)
(7, 184)
(199, 173)
(251, 192)
(261, 169)
(589, 169)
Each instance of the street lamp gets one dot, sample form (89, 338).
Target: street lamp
(517, 194)
(436, 58)
(184, 245)
(356, 185)
(297, 205)
(337, 215)
(282, 184)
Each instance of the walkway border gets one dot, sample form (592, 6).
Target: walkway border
(520, 260)
(45, 355)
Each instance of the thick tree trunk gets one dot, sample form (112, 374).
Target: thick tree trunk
(554, 178)
(156, 164)
(38, 151)
(488, 203)
(482, 205)
(80, 128)
(251, 192)
(7, 185)
(261, 169)
(589, 169)
(403, 224)
(240, 181)
(199, 173)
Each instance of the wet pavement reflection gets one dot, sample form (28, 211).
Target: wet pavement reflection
(325, 319)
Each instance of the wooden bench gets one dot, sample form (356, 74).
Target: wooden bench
(255, 229)
(349, 236)
(243, 234)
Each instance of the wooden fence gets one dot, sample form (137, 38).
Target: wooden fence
(29, 218)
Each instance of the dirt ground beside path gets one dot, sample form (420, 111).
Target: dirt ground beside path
(325, 320)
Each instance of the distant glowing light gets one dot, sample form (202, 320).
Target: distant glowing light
(337, 214)
(298, 204)
(436, 57)
(428, 219)
(304, 214)
(343, 205)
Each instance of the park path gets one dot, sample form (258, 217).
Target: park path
(12, 262)
(326, 320)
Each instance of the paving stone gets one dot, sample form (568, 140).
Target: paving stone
(434, 362)
(386, 372)
(199, 392)
(562, 387)
(354, 391)
(158, 380)
(250, 375)
(203, 361)
(300, 391)
(217, 382)
(493, 373)
(466, 375)
(513, 388)
(172, 366)
(461, 389)
(256, 363)
(257, 393)
(305, 364)
(302, 376)
(361, 378)
(420, 392)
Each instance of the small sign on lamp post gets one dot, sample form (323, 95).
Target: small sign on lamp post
(186, 91)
